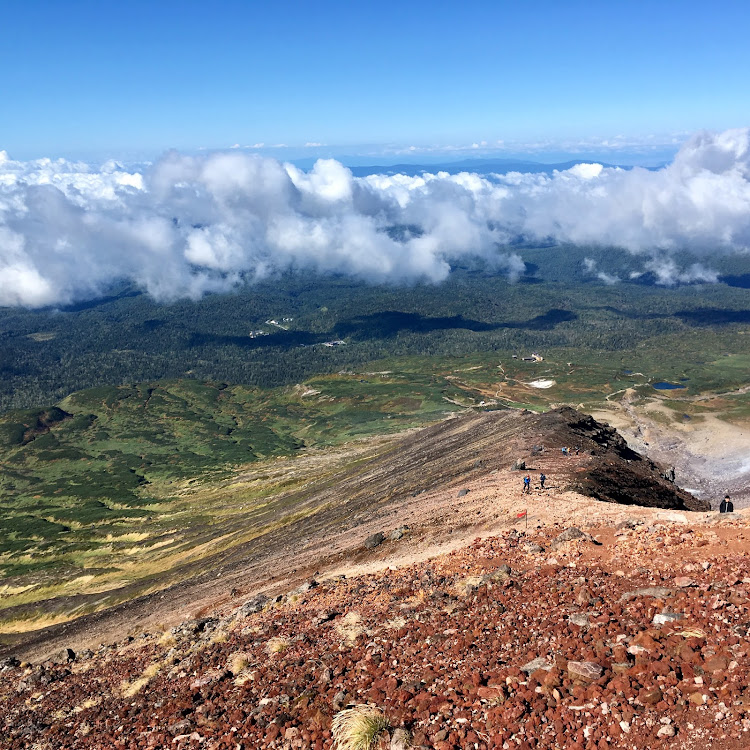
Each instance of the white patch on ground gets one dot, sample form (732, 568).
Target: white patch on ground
(543, 383)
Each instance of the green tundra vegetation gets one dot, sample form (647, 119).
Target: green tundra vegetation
(119, 418)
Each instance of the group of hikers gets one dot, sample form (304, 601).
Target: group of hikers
(527, 483)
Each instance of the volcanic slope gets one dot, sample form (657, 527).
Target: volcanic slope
(445, 483)
(629, 636)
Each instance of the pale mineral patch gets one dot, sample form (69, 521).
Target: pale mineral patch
(542, 383)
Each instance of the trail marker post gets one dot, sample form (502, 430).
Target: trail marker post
(524, 514)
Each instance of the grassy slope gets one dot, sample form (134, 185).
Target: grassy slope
(132, 482)
(105, 497)
(137, 480)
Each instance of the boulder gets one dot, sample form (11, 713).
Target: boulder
(375, 540)
(572, 533)
(658, 592)
(684, 582)
(251, 606)
(581, 619)
(209, 677)
(398, 533)
(588, 671)
(325, 616)
(306, 586)
(340, 700)
(662, 618)
(184, 726)
(64, 656)
(539, 663)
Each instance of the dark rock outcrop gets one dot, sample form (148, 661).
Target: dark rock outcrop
(612, 472)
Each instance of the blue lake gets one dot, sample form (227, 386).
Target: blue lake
(664, 386)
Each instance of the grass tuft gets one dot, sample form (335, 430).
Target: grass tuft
(278, 645)
(167, 638)
(129, 689)
(358, 728)
(238, 661)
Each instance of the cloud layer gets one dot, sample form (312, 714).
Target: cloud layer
(189, 225)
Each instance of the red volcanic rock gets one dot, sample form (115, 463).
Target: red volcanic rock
(503, 665)
(716, 663)
(682, 582)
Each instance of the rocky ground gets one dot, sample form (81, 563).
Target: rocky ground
(447, 482)
(470, 615)
(628, 633)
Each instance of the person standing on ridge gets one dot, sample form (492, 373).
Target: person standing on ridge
(727, 506)
(542, 480)
(526, 485)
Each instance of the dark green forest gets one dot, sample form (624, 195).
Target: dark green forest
(127, 337)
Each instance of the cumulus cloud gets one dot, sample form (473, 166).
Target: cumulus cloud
(591, 267)
(668, 273)
(187, 225)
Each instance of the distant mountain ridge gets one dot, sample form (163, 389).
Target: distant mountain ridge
(479, 166)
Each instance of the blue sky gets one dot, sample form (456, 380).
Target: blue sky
(400, 80)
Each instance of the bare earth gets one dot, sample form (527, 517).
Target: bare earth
(411, 480)
(480, 627)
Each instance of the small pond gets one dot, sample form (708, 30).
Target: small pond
(664, 386)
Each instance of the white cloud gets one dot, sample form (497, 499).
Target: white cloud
(668, 273)
(586, 171)
(590, 266)
(192, 224)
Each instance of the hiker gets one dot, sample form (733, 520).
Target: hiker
(578, 449)
(564, 451)
(526, 485)
(542, 480)
(727, 506)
